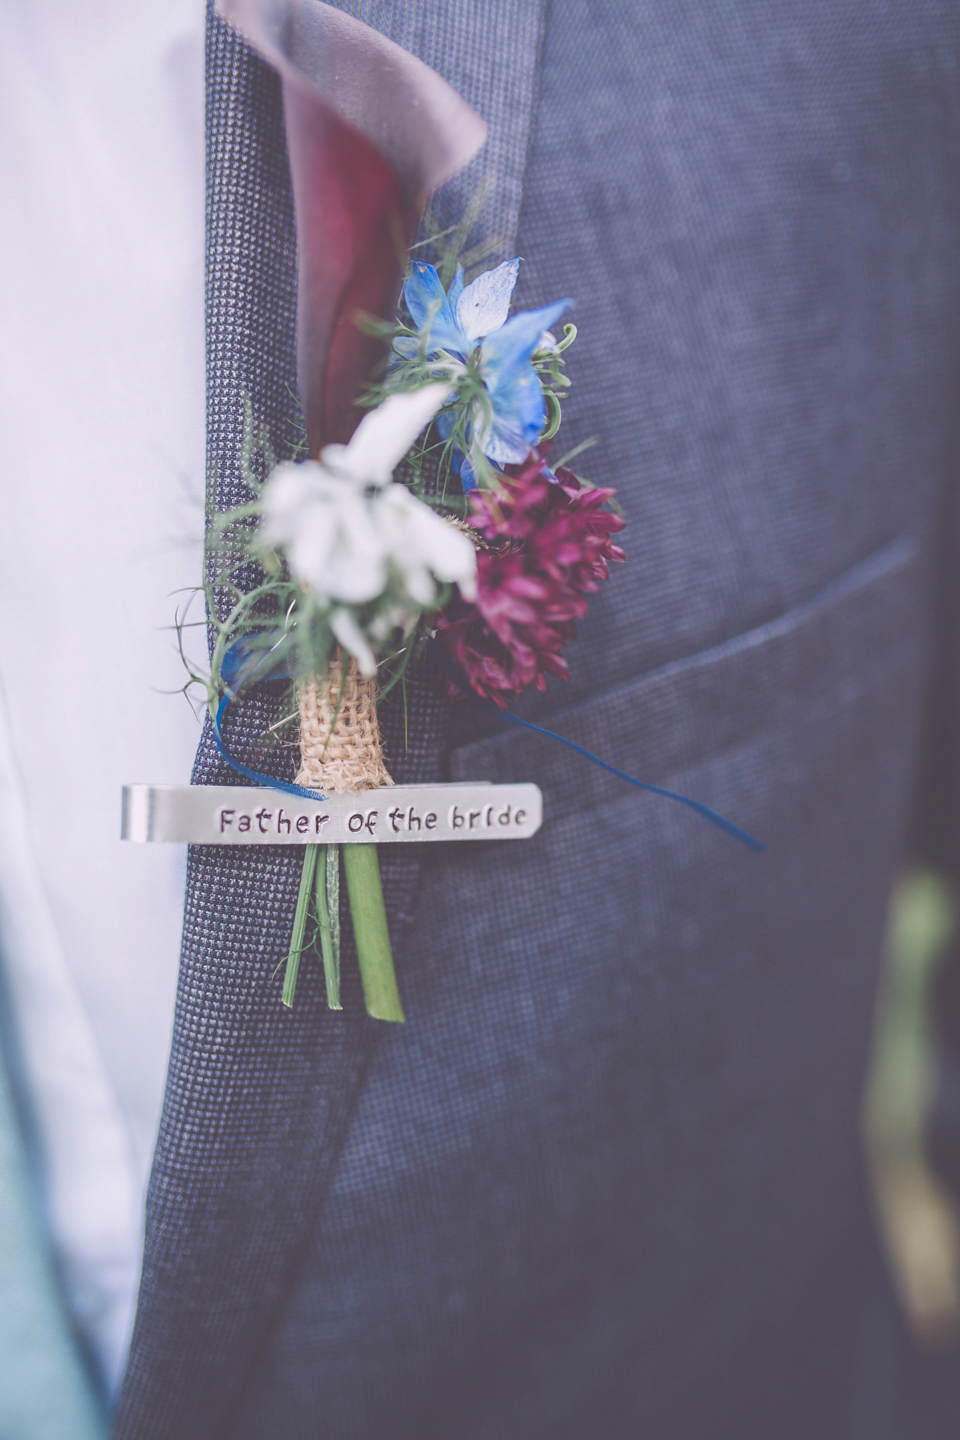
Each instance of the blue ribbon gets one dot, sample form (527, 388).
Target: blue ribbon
(256, 775)
(445, 662)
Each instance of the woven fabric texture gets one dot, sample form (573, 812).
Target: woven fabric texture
(241, 1068)
(605, 1181)
(340, 745)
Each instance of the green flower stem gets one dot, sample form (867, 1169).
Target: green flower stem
(362, 871)
(328, 917)
(299, 924)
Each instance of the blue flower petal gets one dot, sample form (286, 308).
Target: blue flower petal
(430, 307)
(468, 476)
(444, 336)
(519, 414)
(516, 341)
(423, 293)
(444, 421)
(406, 347)
(516, 395)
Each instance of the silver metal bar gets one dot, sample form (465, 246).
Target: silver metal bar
(248, 815)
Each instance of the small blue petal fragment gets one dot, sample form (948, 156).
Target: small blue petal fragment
(423, 294)
(468, 476)
(445, 420)
(456, 289)
(257, 656)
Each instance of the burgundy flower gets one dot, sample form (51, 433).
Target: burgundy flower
(546, 545)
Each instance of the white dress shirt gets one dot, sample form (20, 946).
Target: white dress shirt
(101, 424)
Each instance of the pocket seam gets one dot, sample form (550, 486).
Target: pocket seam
(679, 720)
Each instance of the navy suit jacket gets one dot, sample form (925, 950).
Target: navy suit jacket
(606, 1180)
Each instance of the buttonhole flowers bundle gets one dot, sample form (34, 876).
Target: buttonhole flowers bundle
(439, 519)
(420, 509)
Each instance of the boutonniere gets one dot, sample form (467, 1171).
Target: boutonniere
(425, 522)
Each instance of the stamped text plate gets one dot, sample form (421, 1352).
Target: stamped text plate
(245, 815)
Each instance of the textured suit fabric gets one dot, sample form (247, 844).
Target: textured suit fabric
(606, 1179)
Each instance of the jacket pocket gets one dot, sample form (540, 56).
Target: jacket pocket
(818, 656)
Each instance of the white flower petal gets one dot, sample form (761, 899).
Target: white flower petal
(352, 638)
(357, 571)
(384, 436)
(309, 550)
(286, 494)
(419, 584)
(430, 542)
(327, 532)
(485, 304)
(336, 459)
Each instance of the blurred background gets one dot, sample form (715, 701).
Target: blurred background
(917, 1216)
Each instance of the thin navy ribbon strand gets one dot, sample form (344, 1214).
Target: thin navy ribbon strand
(256, 775)
(445, 662)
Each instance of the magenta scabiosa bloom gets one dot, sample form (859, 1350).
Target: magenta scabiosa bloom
(546, 543)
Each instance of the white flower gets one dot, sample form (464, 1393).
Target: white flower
(384, 436)
(327, 530)
(423, 546)
(354, 537)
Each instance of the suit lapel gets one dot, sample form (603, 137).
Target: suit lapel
(259, 1099)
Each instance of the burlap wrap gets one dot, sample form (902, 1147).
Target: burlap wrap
(340, 749)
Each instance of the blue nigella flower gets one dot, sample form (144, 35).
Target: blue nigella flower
(464, 320)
